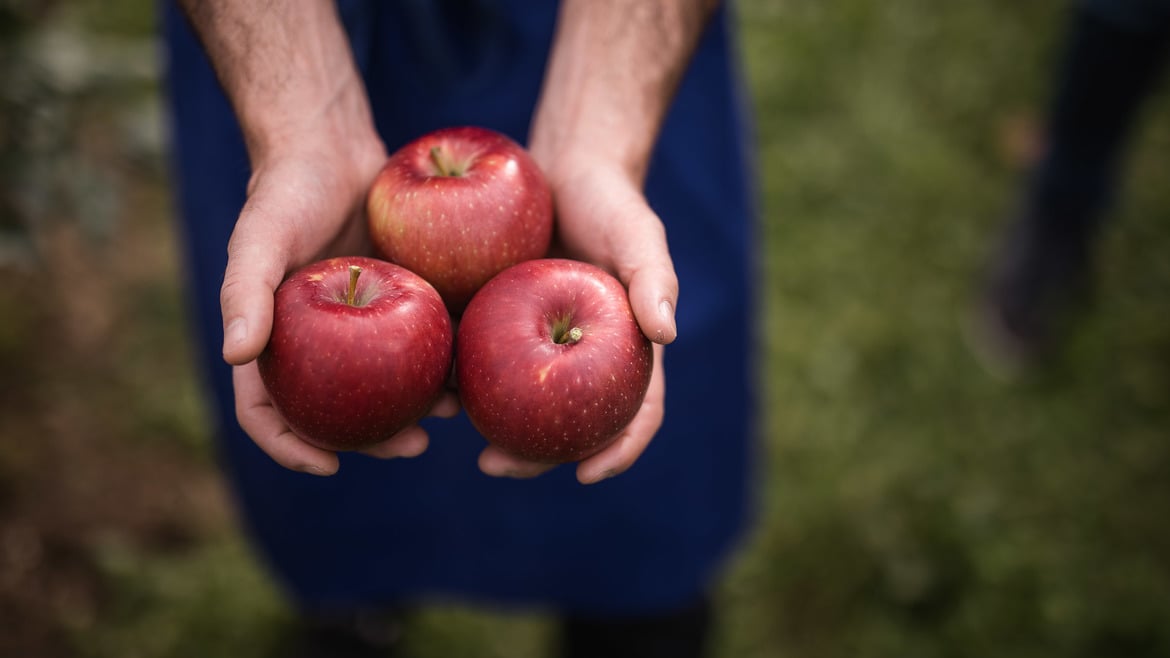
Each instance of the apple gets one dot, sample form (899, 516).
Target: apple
(360, 348)
(457, 206)
(550, 363)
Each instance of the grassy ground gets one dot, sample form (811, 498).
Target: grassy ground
(914, 505)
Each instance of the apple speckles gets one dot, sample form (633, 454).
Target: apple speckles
(497, 214)
(562, 412)
(323, 384)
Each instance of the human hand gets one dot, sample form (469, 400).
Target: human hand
(306, 201)
(603, 218)
(593, 133)
(288, 70)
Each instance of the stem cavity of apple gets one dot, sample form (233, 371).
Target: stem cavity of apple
(563, 335)
(444, 164)
(351, 289)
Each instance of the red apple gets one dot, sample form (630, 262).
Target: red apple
(360, 349)
(459, 205)
(550, 362)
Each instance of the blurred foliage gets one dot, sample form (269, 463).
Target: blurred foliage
(77, 102)
(173, 605)
(913, 504)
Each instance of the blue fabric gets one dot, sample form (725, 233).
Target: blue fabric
(434, 527)
(1107, 71)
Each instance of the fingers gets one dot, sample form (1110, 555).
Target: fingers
(497, 463)
(632, 442)
(256, 265)
(270, 433)
(614, 460)
(447, 406)
(611, 224)
(648, 274)
(410, 442)
(268, 430)
(414, 441)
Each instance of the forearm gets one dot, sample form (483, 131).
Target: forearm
(286, 67)
(613, 70)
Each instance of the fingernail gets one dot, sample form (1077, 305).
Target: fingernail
(602, 476)
(410, 452)
(666, 310)
(313, 469)
(235, 332)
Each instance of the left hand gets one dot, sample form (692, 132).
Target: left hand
(603, 218)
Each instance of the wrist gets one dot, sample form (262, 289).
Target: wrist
(344, 150)
(610, 78)
(564, 162)
(288, 70)
(335, 121)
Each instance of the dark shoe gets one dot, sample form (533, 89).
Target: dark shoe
(352, 634)
(1038, 277)
(681, 633)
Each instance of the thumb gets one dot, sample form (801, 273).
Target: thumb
(645, 267)
(257, 262)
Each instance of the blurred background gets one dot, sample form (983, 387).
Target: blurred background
(913, 504)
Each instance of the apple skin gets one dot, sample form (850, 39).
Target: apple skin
(536, 398)
(347, 377)
(457, 206)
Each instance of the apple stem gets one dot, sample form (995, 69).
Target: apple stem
(444, 165)
(351, 290)
(571, 336)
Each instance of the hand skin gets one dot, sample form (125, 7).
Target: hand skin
(305, 116)
(288, 70)
(594, 129)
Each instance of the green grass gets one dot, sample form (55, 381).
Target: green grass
(914, 505)
(211, 601)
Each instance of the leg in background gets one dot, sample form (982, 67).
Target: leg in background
(1045, 259)
(683, 633)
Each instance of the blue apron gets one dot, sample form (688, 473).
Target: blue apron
(383, 532)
